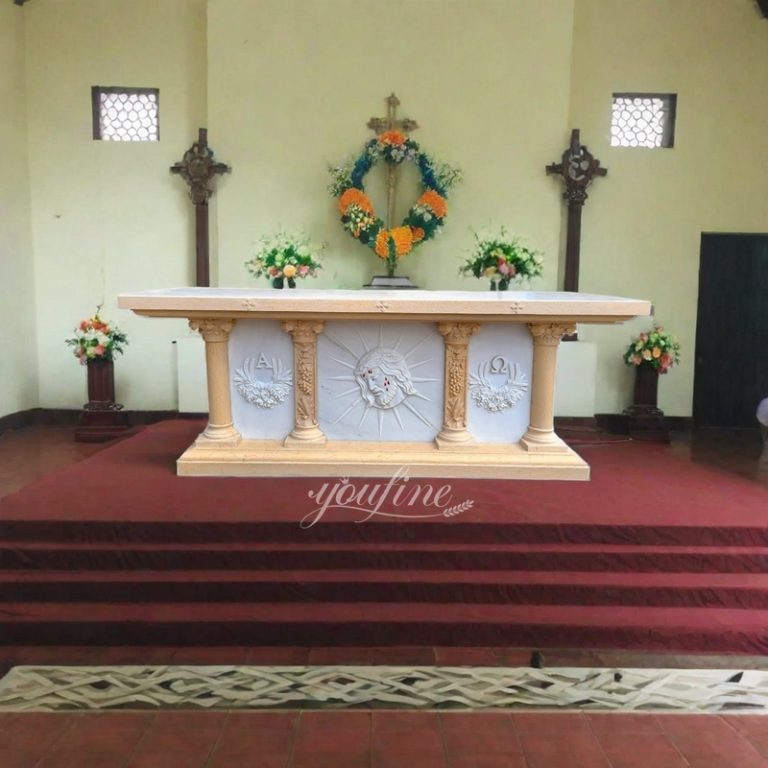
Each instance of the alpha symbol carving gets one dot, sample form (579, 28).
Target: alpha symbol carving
(253, 387)
(498, 385)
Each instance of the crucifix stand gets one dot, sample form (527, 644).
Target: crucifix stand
(198, 168)
(381, 125)
(577, 168)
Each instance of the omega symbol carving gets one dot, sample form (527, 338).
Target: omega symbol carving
(498, 385)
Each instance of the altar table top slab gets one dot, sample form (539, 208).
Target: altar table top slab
(518, 306)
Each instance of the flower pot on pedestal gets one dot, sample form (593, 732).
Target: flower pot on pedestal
(646, 393)
(646, 419)
(101, 418)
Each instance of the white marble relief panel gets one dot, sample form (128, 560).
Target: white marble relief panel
(499, 387)
(261, 379)
(380, 381)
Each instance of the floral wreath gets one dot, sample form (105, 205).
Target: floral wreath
(424, 219)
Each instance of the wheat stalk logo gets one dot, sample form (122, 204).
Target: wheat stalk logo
(457, 509)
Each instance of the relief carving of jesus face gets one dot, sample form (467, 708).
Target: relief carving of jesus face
(383, 377)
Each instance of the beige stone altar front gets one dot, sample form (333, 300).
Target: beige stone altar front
(363, 383)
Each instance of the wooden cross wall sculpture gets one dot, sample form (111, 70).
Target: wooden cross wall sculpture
(577, 169)
(390, 123)
(198, 168)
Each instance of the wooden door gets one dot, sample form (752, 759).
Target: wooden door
(731, 369)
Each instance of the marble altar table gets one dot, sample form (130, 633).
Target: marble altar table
(362, 383)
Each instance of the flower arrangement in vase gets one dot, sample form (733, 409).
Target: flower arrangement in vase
(283, 258)
(652, 353)
(656, 349)
(96, 339)
(95, 344)
(502, 260)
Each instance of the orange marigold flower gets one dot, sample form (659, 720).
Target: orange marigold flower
(436, 203)
(354, 196)
(403, 239)
(392, 137)
(418, 234)
(382, 244)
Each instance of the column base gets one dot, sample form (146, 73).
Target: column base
(225, 434)
(454, 439)
(542, 441)
(309, 437)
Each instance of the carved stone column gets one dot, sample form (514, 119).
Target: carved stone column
(215, 333)
(541, 430)
(454, 433)
(304, 334)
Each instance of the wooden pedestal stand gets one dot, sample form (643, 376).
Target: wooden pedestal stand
(646, 419)
(101, 418)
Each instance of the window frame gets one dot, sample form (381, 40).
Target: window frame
(98, 90)
(670, 111)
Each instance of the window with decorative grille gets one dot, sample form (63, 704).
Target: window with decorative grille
(125, 114)
(643, 120)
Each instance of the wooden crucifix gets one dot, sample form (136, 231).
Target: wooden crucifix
(198, 168)
(577, 169)
(391, 123)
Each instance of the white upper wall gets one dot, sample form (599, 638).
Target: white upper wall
(642, 224)
(18, 355)
(496, 86)
(292, 85)
(109, 216)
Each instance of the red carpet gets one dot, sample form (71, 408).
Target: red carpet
(654, 553)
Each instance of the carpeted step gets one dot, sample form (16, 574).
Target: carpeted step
(341, 624)
(509, 557)
(446, 531)
(119, 550)
(472, 587)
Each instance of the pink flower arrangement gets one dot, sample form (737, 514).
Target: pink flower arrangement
(284, 257)
(655, 348)
(95, 339)
(502, 260)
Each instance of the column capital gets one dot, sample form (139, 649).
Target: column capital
(213, 328)
(304, 330)
(550, 334)
(457, 332)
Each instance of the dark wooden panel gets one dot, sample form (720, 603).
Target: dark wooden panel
(731, 367)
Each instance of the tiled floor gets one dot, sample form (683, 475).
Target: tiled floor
(378, 739)
(381, 739)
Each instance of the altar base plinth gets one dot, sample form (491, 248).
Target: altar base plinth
(258, 458)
